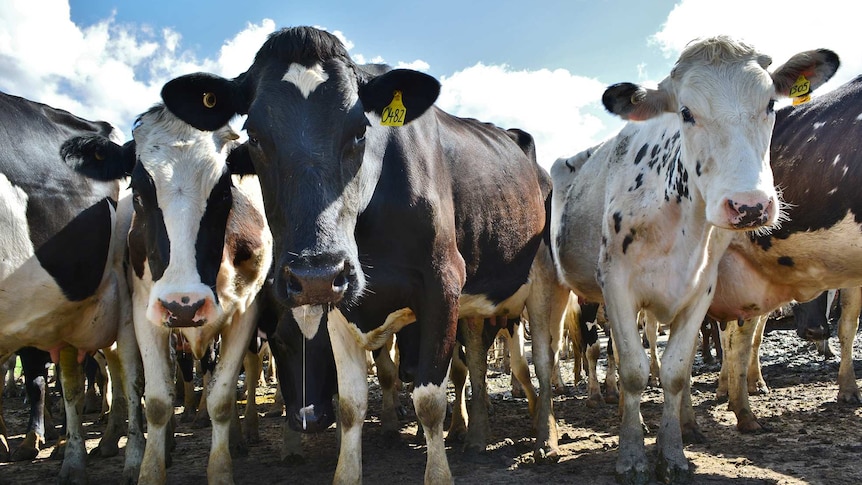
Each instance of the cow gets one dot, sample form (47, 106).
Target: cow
(63, 288)
(816, 162)
(641, 220)
(397, 226)
(199, 251)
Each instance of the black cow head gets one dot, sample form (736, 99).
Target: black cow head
(317, 152)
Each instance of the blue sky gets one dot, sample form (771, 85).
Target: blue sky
(539, 65)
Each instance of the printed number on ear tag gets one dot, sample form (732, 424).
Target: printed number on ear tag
(800, 90)
(393, 115)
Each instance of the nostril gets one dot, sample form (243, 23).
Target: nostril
(293, 283)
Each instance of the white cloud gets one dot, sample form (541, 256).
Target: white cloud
(105, 71)
(556, 107)
(777, 29)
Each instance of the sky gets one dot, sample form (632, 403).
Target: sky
(541, 66)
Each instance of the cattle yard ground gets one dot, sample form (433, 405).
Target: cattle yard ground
(812, 438)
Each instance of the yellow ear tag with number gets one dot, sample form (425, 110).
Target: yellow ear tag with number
(800, 91)
(393, 115)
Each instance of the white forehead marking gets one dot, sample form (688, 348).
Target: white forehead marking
(306, 79)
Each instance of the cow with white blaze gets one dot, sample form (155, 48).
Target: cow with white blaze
(199, 248)
(818, 165)
(62, 284)
(641, 221)
(397, 223)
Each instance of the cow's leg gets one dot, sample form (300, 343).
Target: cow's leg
(546, 305)
(458, 425)
(632, 464)
(253, 369)
(594, 390)
(672, 465)
(34, 363)
(472, 329)
(185, 378)
(736, 340)
(651, 333)
(520, 369)
(691, 432)
(117, 411)
(851, 305)
(387, 376)
(159, 396)
(756, 383)
(612, 394)
(4, 443)
(352, 398)
(75, 453)
(221, 399)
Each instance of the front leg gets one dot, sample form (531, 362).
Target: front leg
(352, 398)
(158, 395)
(221, 402)
(736, 341)
(672, 466)
(632, 464)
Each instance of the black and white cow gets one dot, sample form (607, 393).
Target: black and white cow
(62, 284)
(817, 164)
(640, 222)
(398, 222)
(199, 248)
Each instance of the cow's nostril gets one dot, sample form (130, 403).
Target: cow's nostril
(293, 283)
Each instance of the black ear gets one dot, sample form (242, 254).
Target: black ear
(239, 161)
(418, 92)
(205, 101)
(98, 157)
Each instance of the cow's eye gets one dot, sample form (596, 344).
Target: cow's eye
(687, 117)
(770, 108)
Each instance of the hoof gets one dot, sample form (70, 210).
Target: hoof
(693, 435)
(546, 455)
(104, 451)
(612, 398)
(633, 476)
(673, 473)
(293, 460)
(595, 401)
(851, 398)
(25, 453)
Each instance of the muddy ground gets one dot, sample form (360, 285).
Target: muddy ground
(812, 438)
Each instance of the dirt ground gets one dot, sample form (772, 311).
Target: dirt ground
(812, 439)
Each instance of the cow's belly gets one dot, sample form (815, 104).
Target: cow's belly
(480, 306)
(36, 313)
(752, 281)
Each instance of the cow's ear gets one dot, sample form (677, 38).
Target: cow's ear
(636, 103)
(205, 101)
(814, 67)
(98, 157)
(418, 92)
(239, 161)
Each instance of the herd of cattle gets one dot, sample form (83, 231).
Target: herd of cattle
(375, 214)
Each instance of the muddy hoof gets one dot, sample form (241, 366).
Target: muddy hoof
(25, 453)
(672, 473)
(851, 398)
(693, 435)
(546, 455)
(456, 436)
(293, 460)
(633, 476)
(595, 401)
(104, 451)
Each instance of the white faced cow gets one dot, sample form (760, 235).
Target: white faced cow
(385, 221)
(641, 221)
(62, 284)
(200, 249)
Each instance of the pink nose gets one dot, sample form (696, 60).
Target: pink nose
(185, 309)
(748, 213)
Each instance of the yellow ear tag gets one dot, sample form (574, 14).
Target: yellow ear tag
(393, 115)
(800, 91)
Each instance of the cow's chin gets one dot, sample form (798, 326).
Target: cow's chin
(309, 318)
